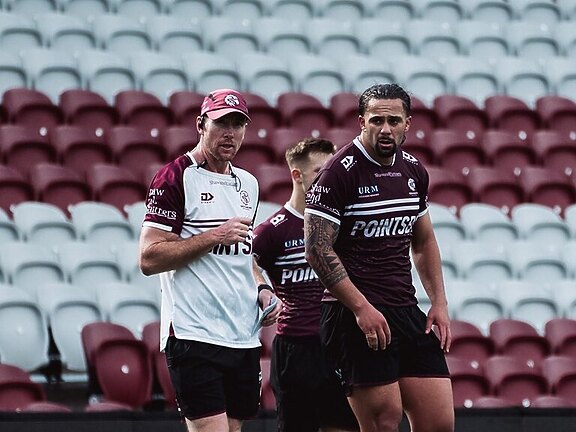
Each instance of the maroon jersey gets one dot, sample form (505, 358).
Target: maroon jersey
(279, 249)
(375, 207)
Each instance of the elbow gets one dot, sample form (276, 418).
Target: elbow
(147, 266)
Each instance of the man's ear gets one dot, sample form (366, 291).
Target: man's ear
(200, 124)
(296, 175)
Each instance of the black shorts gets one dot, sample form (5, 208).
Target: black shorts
(211, 379)
(411, 353)
(309, 393)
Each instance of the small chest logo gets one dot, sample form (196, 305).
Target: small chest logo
(244, 197)
(206, 197)
(412, 184)
(347, 162)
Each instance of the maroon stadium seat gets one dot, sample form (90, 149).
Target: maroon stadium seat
(22, 147)
(17, 389)
(142, 109)
(344, 107)
(178, 140)
(519, 340)
(448, 188)
(560, 373)
(14, 187)
(555, 150)
(88, 110)
(254, 151)
(265, 117)
(460, 114)
(505, 151)
(185, 106)
(31, 108)
(304, 111)
(468, 343)
(455, 150)
(511, 114)
(468, 381)
(275, 183)
(115, 185)
(495, 187)
(557, 113)
(561, 334)
(283, 138)
(547, 187)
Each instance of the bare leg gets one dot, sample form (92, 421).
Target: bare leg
(428, 404)
(217, 423)
(377, 408)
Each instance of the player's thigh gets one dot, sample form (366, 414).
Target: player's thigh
(378, 408)
(428, 403)
(207, 424)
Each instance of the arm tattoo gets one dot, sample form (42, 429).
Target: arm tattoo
(320, 235)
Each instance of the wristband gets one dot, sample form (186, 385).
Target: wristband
(265, 287)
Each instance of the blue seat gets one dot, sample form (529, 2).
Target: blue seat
(489, 11)
(18, 32)
(65, 32)
(208, 70)
(381, 41)
(174, 35)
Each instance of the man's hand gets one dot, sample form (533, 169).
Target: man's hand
(264, 299)
(374, 326)
(234, 230)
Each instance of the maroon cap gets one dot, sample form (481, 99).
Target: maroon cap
(223, 101)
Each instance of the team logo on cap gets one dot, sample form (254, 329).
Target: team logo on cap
(231, 100)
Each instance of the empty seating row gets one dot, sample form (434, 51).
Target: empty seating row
(540, 11)
(107, 72)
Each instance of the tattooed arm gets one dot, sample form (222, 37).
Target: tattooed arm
(320, 235)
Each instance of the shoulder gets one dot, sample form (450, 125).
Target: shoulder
(411, 163)
(274, 222)
(173, 171)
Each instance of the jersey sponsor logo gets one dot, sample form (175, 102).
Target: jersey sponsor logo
(393, 226)
(151, 209)
(277, 220)
(367, 191)
(206, 197)
(156, 192)
(294, 243)
(388, 174)
(298, 275)
(244, 248)
(412, 184)
(315, 193)
(244, 197)
(409, 158)
(348, 162)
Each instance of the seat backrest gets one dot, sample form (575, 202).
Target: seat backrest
(43, 223)
(100, 222)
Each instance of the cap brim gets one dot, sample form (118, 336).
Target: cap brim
(216, 114)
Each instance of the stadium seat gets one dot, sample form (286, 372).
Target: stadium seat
(566, 37)
(380, 41)
(440, 10)
(228, 36)
(551, 401)
(530, 302)
(275, 183)
(151, 337)
(424, 76)
(568, 255)
(140, 9)
(570, 218)
(424, 119)
(493, 402)
(14, 187)
(127, 257)
(265, 116)
(347, 10)
(291, 9)
(92, 336)
(9, 231)
(458, 113)
(281, 139)
(100, 223)
(17, 390)
(135, 213)
(540, 222)
(530, 41)
(58, 185)
(78, 147)
(30, 7)
(511, 114)
(332, 37)
(51, 71)
(317, 76)
(448, 188)
(115, 185)
(208, 70)
(361, 71)
(522, 78)
(26, 265)
(489, 11)
(506, 152)
(190, 9)
(12, 74)
(340, 136)
(178, 140)
(469, 343)
(537, 261)
(185, 106)
(18, 32)
(495, 187)
(401, 10)
(46, 407)
(32, 109)
(106, 73)
(431, 39)
(68, 309)
(558, 114)
(21, 319)
(264, 75)
(305, 112)
(87, 110)
(547, 187)
(456, 150)
(555, 150)
(65, 32)
(565, 294)
(477, 303)
(140, 109)
(85, 9)
(514, 381)
(561, 335)
(536, 11)
(255, 151)
(282, 36)
(344, 107)
(483, 41)
(560, 373)
(482, 262)
(487, 223)
(127, 304)
(519, 340)
(447, 226)
(158, 74)
(86, 263)
(22, 147)
(120, 34)
(42, 223)
(134, 147)
(174, 35)
(468, 381)
(107, 406)
(241, 9)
